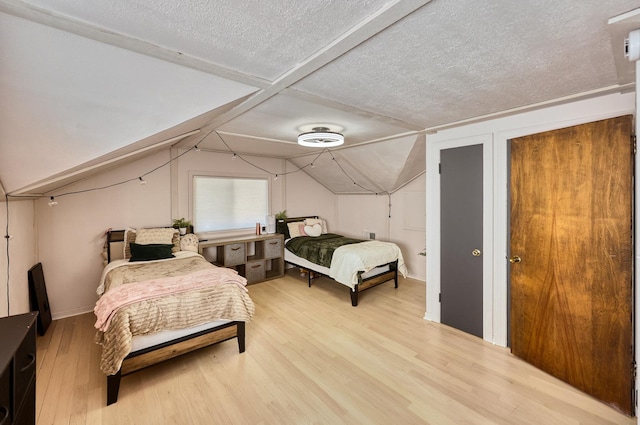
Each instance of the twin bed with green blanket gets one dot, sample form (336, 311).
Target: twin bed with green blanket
(358, 264)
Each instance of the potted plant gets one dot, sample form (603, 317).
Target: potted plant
(281, 215)
(181, 224)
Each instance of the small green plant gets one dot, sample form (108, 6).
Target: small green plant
(282, 214)
(181, 223)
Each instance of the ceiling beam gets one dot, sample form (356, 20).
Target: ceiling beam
(350, 109)
(384, 17)
(625, 88)
(100, 164)
(64, 23)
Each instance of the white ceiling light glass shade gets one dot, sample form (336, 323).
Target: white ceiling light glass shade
(320, 137)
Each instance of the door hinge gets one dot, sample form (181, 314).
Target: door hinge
(440, 297)
(635, 144)
(440, 168)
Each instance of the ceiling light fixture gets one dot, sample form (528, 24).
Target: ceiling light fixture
(320, 137)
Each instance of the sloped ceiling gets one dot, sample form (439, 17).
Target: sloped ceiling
(86, 87)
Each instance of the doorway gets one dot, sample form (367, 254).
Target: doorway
(571, 253)
(461, 238)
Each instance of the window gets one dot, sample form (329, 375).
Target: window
(229, 203)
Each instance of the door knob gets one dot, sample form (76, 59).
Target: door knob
(515, 259)
(476, 252)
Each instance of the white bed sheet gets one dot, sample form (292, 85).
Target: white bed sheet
(292, 258)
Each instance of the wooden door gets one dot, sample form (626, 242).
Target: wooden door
(571, 225)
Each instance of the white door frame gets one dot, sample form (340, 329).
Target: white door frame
(495, 219)
(433, 228)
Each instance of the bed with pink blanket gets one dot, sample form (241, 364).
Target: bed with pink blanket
(159, 301)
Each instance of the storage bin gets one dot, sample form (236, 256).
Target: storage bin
(255, 271)
(233, 254)
(273, 248)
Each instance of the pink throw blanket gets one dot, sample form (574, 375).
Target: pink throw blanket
(125, 295)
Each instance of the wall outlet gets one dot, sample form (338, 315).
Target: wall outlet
(368, 235)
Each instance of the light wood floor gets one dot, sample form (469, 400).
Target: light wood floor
(313, 359)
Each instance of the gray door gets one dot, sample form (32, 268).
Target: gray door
(461, 238)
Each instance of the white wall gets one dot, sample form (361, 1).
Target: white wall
(408, 226)
(305, 196)
(637, 237)
(203, 162)
(22, 255)
(71, 234)
(495, 134)
(352, 215)
(359, 215)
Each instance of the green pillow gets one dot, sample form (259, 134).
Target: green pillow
(154, 251)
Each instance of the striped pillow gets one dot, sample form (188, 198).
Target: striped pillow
(156, 235)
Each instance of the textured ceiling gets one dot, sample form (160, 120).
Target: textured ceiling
(85, 82)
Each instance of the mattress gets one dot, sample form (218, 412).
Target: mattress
(140, 342)
(290, 257)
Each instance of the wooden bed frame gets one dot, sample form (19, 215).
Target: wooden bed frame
(363, 283)
(140, 359)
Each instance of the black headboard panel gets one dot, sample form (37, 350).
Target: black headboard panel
(113, 236)
(281, 224)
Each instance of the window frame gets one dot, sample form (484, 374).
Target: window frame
(217, 174)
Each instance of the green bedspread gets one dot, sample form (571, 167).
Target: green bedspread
(318, 250)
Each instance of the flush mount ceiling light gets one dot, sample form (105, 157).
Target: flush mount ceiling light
(321, 137)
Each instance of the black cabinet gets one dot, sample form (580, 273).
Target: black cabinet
(18, 369)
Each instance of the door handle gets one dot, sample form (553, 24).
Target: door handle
(476, 252)
(515, 259)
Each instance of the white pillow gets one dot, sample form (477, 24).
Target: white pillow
(315, 230)
(189, 242)
(158, 235)
(321, 221)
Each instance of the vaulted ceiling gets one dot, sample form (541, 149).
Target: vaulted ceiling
(86, 87)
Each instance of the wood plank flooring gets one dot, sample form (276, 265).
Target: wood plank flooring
(312, 358)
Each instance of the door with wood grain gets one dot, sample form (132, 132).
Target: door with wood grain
(571, 256)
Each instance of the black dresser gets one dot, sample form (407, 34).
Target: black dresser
(18, 369)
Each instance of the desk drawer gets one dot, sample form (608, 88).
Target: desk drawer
(6, 411)
(25, 366)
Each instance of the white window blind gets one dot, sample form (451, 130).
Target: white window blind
(229, 203)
